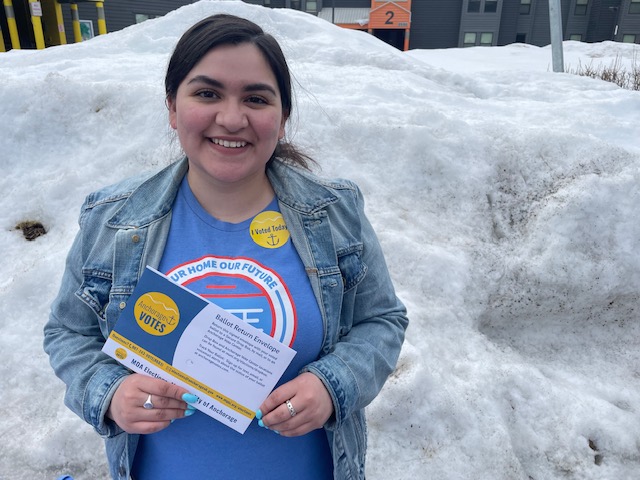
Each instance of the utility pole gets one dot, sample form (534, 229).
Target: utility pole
(555, 28)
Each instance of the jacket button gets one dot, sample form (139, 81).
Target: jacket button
(122, 305)
(135, 238)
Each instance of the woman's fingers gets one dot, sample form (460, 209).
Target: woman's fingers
(144, 404)
(297, 407)
(164, 394)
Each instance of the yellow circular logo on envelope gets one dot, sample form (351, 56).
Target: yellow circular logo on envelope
(269, 230)
(121, 353)
(156, 313)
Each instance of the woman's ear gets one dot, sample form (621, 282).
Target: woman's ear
(171, 106)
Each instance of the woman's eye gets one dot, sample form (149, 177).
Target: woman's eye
(206, 94)
(257, 100)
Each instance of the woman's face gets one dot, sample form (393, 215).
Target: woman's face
(228, 115)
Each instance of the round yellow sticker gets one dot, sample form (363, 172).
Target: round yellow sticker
(156, 313)
(121, 353)
(269, 230)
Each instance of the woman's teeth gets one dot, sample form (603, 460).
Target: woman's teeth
(229, 144)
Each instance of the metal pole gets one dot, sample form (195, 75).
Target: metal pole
(11, 22)
(75, 22)
(36, 23)
(102, 23)
(57, 8)
(555, 28)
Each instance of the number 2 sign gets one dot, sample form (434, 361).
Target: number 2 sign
(390, 14)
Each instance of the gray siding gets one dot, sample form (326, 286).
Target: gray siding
(347, 3)
(629, 24)
(119, 13)
(272, 3)
(540, 34)
(479, 22)
(603, 20)
(525, 22)
(509, 23)
(434, 23)
(577, 24)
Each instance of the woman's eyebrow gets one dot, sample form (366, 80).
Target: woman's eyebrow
(208, 80)
(259, 87)
(252, 87)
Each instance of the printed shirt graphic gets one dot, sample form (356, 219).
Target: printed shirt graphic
(253, 271)
(245, 288)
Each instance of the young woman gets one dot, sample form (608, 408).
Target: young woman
(244, 194)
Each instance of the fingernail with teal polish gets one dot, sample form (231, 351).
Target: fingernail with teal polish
(261, 423)
(276, 431)
(191, 408)
(188, 412)
(258, 414)
(189, 398)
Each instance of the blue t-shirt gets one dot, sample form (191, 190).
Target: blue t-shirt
(252, 270)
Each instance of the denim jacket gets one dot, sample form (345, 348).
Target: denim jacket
(123, 228)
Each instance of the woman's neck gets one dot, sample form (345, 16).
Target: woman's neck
(232, 203)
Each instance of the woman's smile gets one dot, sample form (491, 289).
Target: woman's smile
(228, 143)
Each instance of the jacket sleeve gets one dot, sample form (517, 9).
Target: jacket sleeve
(371, 327)
(73, 339)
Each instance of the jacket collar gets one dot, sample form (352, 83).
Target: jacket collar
(153, 198)
(299, 189)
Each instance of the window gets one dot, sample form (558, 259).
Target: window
(295, 4)
(576, 37)
(490, 6)
(525, 7)
(473, 6)
(486, 39)
(628, 39)
(267, 3)
(581, 7)
(469, 39)
(521, 38)
(141, 17)
(312, 6)
(634, 6)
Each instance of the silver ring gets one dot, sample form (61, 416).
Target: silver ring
(148, 404)
(292, 411)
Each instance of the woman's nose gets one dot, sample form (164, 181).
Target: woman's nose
(231, 116)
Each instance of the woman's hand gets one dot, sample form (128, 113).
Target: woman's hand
(308, 398)
(169, 402)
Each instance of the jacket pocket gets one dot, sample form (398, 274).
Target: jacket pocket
(94, 291)
(351, 266)
(353, 270)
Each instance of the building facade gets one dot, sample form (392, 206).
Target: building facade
(405, 24)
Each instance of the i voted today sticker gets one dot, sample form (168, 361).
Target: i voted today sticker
(269, 230)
